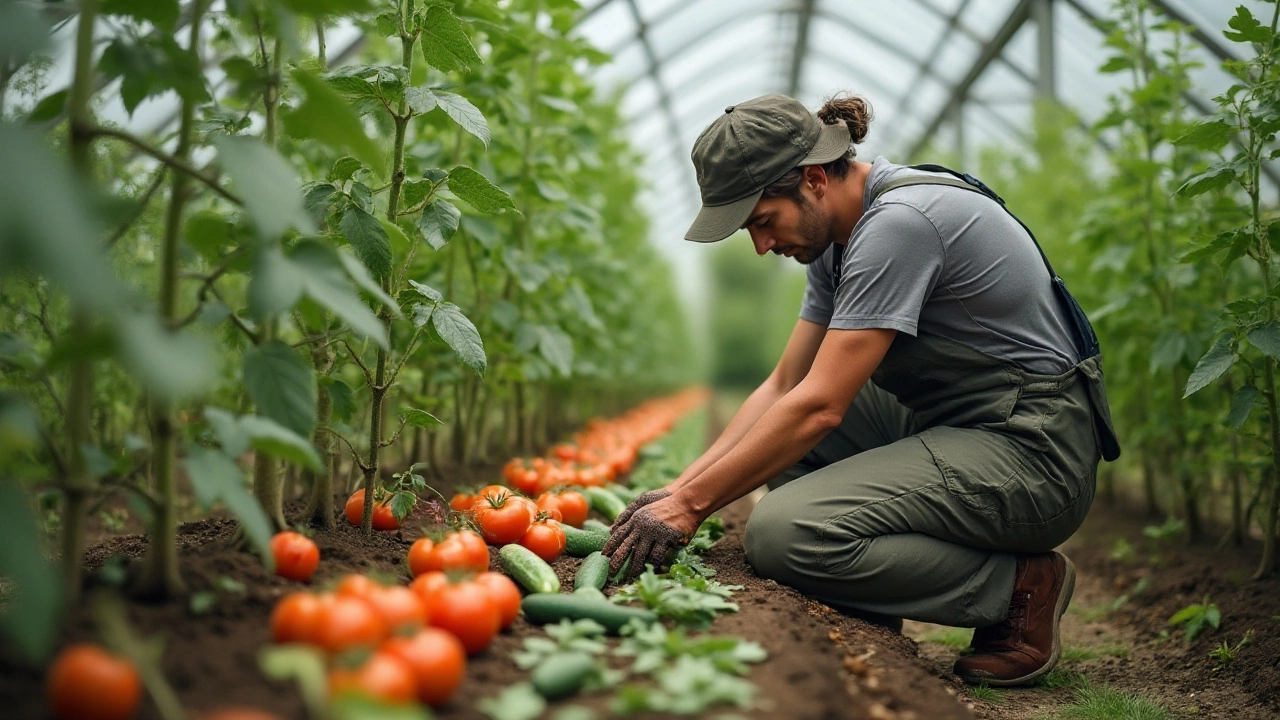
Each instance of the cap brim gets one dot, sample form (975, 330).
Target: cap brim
(832, 143)
(717, 222)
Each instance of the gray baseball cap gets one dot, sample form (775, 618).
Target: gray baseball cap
(749, 147)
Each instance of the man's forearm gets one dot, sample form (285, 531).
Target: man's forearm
(755, 406)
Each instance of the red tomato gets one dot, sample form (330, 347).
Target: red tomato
(573, 506)
(383, 519)
(382, 677)
(488, 490)
(545, 539)
(462, 502)
(505, 595)
(296, 556)
(549, 501)
(503, 520)
(87, 683)
(238, 713)
(438, 661)
(295, 618)
(353, 585)
(475, 546)
(400, 607)
(565, 451)
(526, 481)
(423, 557)
(466, 610)
(426, 584)
(349, 622)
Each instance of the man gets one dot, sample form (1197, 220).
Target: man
(933, 428)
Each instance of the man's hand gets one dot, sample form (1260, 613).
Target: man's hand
(641, 500)
(649, 534)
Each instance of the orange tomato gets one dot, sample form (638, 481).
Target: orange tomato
(426, 584)
(400, 607)
(504, 593)
(467, 610)
(503, 519)
(238, 713)
(382, 677)
(295, 617)
(545, 539)
(86, 682)
(355, 585)
(462, 502)
(348, 622)
(383, 518)
(296, 556)
(573, 506)
(437, 659)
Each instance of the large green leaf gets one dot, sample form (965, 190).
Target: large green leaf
(1217, 361)
(1208, 134)
(360, 274)
(475, 190)
(1245, 28)
(266, 435)
(226, 428)
(266, 185)
(421, 100)
(281, 385)
(216, 478)
(426, 291)
(458, 333)
(21, 32)
(422, 419)
(209, 233)
(1211, 180)
(151, 65)
(172, 364)
(326, 7)
(445, 46)
(161, 13)
(369, 239)
(276, 284)
(1242, 405)
(31, 615)
(327, 117)
(327, 283)
(439, 222)
(342, 397)
(1266, 338)
(467, 116)
(556, 348)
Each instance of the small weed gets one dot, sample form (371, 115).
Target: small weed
(114, 519)
(1225, 653)
(986, 694)
(1078, 654)
(1107, 704)
(1172, 528)
(955, 638)
(1197, 618)
(1059, 678)
(1122, 550)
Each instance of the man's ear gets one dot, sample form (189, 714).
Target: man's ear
(816, 179)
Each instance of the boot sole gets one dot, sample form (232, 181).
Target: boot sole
(1064, 599)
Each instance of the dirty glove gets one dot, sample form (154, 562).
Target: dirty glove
(643, 537)
(641, 500)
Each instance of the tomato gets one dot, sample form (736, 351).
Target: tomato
(475, 546)
(488, 490)
(467, 610)
(349, 622)
(426, 584)
(296, 617)
(353, 585)
(382, 677)
(238, 713)
(573, 506)
(462, 502)
(565, 451)
(504, 593)
(400, 607)
(87, 683)
(423, 557)
(526, 481)
(545, 539)
(458, 551)
(503, 520)
(549, 501)
(383, 519)
(296, 556)
(438, 661)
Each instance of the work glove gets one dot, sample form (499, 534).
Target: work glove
(643, 537)
(641, 500)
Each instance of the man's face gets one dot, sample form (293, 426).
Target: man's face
(784, 227)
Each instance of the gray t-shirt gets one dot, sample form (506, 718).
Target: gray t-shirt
(948, 262)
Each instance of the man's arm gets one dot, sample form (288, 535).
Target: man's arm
(792, 368)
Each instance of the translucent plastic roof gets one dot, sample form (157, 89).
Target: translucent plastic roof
(956, 74)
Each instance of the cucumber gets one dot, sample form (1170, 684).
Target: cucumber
(594, 572)
(594, 524)
(581, 543)
(605, 502)
(554, 608)
(528, 569)
(563, 674)
(622, 571)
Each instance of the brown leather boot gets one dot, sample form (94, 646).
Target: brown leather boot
(1026, 645)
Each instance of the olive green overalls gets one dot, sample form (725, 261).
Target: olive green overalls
(947, 463)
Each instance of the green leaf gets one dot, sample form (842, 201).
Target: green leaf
(171, 364)
(161, 13)
(31, 617)
(476, 190)
(421, 100)
(1209, 134)
(282, 386)
(439, 222)
(216, 478)
(266, 435)
(402, 503)
(276, 285)
(400, 242)
(343, 399)
(1266, 338)
(1211, 180)
(344, 168)
(209, 233)
(48, 108)
(360, 274)
(303, 664)
(325, 116)
(226, 428)
(266, 184)
(1211, 366)
(1247, 28)
(326, 7)
(445, 46)
(326, 282)
(151, 65)
(369, 239)
(202, 602)
(1241, 405)
(460, 334)
(388, 24)
(414, 192)
(354, 706)
(421, 419)
(1118, 63)
(353, 87)
(426, 291)
(467, 116)
(557, 348)
(1168, 350)
(515, 702)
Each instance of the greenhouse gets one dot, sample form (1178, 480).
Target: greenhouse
(576, 359)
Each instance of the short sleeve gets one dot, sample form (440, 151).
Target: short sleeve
(819, 300)
(891, 267)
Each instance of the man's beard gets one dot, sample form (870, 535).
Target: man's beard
(815, 228)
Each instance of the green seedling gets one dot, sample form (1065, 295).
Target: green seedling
(1196, 619)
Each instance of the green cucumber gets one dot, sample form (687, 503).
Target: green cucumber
(594, 572)
(528, 569)
(594, 524)
(544, 609)
(581, 543)
(622, 571)
(605, 503)
(563, 674)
